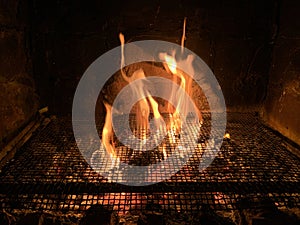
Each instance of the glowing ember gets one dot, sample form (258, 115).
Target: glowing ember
(227, 136)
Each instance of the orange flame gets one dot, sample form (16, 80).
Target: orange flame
(171, 63)
(183, 35)
(107, 132)
(147, 104)
(158, 119)
(122, 40)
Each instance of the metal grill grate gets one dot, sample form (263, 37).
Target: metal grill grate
(49, 173)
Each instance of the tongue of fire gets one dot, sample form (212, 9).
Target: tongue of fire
(148, 104)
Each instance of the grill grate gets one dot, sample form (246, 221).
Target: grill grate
(49, 173)
(126, 201)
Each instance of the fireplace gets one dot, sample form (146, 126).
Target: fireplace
(51, 175)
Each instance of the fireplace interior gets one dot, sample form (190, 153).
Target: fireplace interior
(253, 49)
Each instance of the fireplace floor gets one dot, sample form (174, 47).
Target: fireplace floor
(49, 173)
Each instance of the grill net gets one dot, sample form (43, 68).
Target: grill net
(49, 173)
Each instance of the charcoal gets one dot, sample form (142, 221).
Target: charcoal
(207, 215)
(52, 219)
(151, 215)
(262, 212)
(204, 216)
(29, 219)
(149, 218)
(4, 219)
(99, 215)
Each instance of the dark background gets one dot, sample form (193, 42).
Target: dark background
(253, 47)
(235, 38)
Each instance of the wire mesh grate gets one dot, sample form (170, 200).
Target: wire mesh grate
(49, 173)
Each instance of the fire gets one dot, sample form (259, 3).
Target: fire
(122, 40)
(107, 132)
(147, 105)
(143, 110)
(175, 121)
(183, 35)
(154, 106)
(227, 136)
(185, 84)
(171, 63)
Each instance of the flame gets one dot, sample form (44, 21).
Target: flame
(159, 124)
(185, 84)
(227, 136)
(122, 40)
(148, 104)
(154, 106)
(171, 63)
(142, 115)
(183, 35)
(165, 153)
(175, 122)
(143, 109)
(107, 132)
